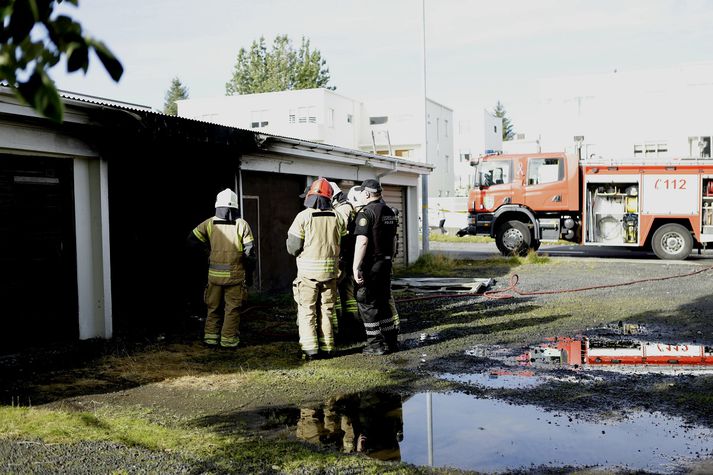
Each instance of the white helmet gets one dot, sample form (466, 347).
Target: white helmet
(226, 199)
(352, 195)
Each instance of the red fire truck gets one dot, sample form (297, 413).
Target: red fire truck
(522, 200)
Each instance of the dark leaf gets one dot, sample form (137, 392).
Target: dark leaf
(111, 64)
(77, 57)
(24, 16)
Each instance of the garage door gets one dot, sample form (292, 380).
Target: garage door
(38, 283)
(395, 196)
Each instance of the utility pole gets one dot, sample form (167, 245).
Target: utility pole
(424, 177)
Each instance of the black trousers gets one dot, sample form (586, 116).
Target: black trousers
(373, 300)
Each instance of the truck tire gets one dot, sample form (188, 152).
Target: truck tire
(513, 238)
(672, 241)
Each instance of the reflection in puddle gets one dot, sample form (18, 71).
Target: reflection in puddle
(491, 435)
(370, 423)
(488, 435)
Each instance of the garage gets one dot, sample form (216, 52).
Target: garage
(37, 251)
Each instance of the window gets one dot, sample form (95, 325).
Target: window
(258, 119)
(378, 120)
(330, 117)
(650, 149)
(350, 118)
(463, 127)
(292, 116)
(307, 115)
(496, 172)
(465, 156)
(699, 147)
(403, 153)
(445, 127)
(544, 170)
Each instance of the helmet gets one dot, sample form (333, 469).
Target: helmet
(226, 199)
(320, 187)
(352, 195)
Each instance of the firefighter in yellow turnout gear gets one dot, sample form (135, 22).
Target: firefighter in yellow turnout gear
(314, 238)
(232, 255)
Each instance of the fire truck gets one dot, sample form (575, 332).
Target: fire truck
(522, 200)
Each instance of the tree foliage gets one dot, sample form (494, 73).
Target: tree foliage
(508, 130)
(33, 40)
(176, 92)
(280, 69)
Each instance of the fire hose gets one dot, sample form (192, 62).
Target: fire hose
(512, 291)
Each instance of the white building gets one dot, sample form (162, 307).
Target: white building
(391, 127)
(476, 134)
(648, 114)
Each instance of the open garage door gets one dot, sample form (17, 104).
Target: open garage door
(38, 277)
(395, 196)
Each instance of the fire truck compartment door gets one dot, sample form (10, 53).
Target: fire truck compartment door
(672, 194)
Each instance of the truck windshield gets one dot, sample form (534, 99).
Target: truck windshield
(497, 172)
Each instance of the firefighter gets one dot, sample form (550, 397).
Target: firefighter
(314, 238)
(375, 232)
(351, 328)
(229, 240)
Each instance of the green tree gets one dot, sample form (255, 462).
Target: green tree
(176, 92)
(508, 130)
(26, 58)
(280, 69)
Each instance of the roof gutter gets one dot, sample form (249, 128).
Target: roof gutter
(318, 151)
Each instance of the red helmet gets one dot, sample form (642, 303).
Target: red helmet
(320, 187)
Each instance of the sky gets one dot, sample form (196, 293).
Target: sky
(477, 52)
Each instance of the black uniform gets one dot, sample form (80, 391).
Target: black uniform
(377, 222)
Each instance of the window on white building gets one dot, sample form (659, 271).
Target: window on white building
(330, 117)
(465, 155)
(463, 127)
(650, 149)
(291, 118)
(445, 127)
(403, 153)
(307, 115)
(350, 118)
(378, 120)
(258, 119)
(699, 147)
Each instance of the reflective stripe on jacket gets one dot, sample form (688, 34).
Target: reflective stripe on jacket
(321, 232)
(227, 240)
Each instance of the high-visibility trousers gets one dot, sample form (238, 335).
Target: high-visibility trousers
(316, 317)
(223, 320)
(373, 299)
(351, 327)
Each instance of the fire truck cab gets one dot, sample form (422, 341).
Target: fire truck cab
(524, 199)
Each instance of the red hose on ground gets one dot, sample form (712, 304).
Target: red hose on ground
(501, 293)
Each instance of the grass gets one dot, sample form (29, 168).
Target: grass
(235, 452)
(439, 265)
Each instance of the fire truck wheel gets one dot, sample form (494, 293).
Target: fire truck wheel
(672, 241)
(513, 238)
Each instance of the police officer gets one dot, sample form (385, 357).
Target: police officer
(314, 238)
(232, 258)
(375, 230)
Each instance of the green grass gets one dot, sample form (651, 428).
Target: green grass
(438, 265)
(234, 452)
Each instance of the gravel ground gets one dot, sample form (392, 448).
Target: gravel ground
(674, 310)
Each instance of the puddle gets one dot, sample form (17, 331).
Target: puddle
(492, 436)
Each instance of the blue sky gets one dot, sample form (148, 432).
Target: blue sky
(478, 52)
